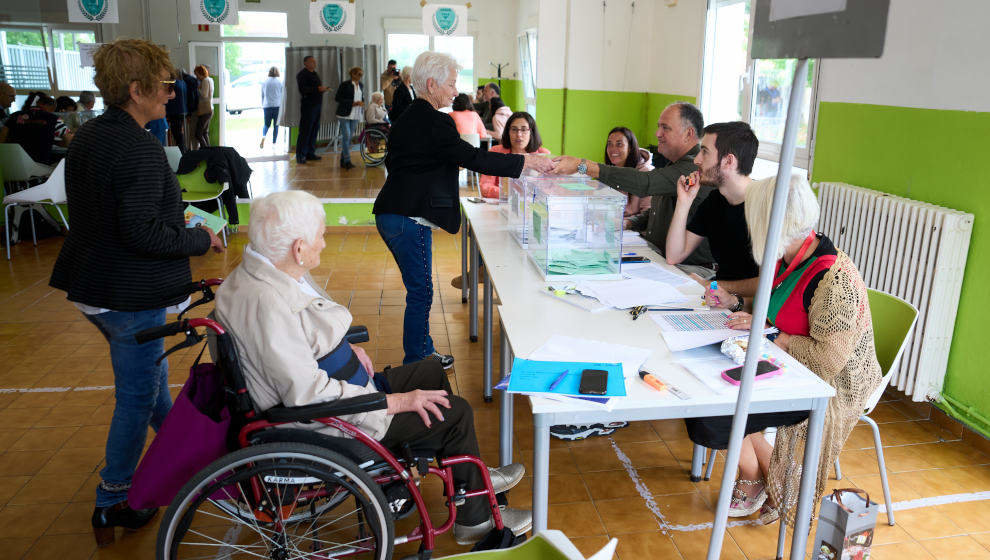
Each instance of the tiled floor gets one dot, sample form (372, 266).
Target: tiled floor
(51, 442)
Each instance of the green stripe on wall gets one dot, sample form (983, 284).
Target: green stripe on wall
(550, 118)
(934, 156)
(512, 92)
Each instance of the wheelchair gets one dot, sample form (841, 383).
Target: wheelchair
(286, 493)
(374, 144)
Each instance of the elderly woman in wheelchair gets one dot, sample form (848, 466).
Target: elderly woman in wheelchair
(292, 349)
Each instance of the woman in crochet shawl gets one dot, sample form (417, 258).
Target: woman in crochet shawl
(819, 304)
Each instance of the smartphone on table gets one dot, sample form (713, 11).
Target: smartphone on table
(764, 369)
(593, 382)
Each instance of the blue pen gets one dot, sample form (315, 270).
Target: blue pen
(560, 378)
(712, 287)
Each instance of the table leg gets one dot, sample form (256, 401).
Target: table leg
(487, 318)
(809, 474)
(474, 289)
(506, 418)
(541, 472)
(464, 258)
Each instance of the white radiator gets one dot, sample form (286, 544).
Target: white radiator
(914, 250)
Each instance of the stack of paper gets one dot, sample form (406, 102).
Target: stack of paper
(651, 271)
(633, 239)
(692, 329)
(579, 262)
(629, 293)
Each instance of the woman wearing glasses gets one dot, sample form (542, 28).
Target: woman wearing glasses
(126, 258)
(518, 137)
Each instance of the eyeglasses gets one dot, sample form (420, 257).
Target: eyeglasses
(169, 85)
(515, 130)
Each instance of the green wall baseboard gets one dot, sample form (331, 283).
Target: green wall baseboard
(933, 156)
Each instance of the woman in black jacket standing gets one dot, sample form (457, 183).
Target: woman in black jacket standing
(421, 191)
(350, 111)
(126, 259)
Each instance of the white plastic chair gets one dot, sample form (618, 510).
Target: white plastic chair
(51, 192)
(17, 165)
(174, 155)
(475, 140)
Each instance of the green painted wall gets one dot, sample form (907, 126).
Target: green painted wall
(550, 118)
(933, 156)
(215, 126)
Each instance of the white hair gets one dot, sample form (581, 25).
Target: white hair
(800, 215)
(280, 218)
(406, 72)
(431, 64)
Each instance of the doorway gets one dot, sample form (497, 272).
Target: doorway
(247, 68)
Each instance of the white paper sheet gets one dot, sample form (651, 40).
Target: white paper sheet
(652, 271)
(633, 239)
(626, 294)
(707, 364)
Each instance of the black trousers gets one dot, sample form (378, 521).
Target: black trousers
(452, 436)
(177, 125)
(713, 431)
(309, 127)
(203, 130)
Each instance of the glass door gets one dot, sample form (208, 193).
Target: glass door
(211, 55)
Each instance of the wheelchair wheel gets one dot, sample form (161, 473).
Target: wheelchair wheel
(374, 143)
(281, 501)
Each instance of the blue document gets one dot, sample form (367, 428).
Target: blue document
(534, 377)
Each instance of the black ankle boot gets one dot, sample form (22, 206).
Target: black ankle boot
(118, 515)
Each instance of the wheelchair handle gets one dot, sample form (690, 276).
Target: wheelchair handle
(185, 325)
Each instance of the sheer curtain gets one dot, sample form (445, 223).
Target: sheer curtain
(332, 64)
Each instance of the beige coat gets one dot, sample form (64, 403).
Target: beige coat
(280, 333)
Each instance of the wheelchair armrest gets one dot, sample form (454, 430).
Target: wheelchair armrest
(339, 407)
(357, 334)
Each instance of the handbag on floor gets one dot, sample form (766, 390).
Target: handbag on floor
(175, 456)
(845, 525)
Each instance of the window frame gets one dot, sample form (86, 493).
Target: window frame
(48, 31)
(408, 26)
(803, 156)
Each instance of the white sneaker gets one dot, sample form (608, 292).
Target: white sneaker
(519, 520)
(505, 478)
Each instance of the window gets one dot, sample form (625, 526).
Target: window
(462, 49)
(258, 24)
(735, 87)
(527, 61)
(69, 74)
(24, 57)
(405, 47)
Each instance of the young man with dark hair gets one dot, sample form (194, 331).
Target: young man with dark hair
(724, 162)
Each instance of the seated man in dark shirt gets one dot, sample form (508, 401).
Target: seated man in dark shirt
(724, 161)
(37, 129)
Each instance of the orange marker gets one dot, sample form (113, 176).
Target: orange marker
(652, 381)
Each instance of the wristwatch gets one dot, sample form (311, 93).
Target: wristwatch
(582, 167)
(739, 304)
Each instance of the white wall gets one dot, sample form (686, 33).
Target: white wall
(678, 47)
(551, 44)
(609, 44)
(934, 57)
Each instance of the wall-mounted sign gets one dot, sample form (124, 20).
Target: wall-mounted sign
(444, 19)
(331, 16)
(86, 52)
(213, 11)
(93, 11)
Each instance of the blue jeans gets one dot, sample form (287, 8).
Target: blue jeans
(347, 128)
(271, 120)
(411, 245)
(141, 389)
(309, 127)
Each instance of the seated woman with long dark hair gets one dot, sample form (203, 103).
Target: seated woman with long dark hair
(622, 150)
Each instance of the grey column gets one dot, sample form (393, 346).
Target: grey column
(474, 288)
(541, 472)
(464, 257)
(809, 476)
(488, 337)
(506, 417)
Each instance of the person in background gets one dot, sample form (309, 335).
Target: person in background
(519, 137)
(272, 91)
(425, 154)
(819, 303)
(350, 112)
(65, 104)
(498, 112)
(479, 103)
(204, 112)
(622, 150)
(466, 120)
(37, 129)
(311, 99)
(404, 95)
(678, 132)
(87, 100)
(159, 129)
(388, 81)
(125, 262)
(192, 105)
(725, 161)
(7, 96)
(175, 112)
(375, 113)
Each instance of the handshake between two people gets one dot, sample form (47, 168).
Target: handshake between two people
(560, 165)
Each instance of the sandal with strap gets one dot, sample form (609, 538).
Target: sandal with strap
(768, 514)
(744, 505)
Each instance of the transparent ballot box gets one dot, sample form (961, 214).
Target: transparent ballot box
(574, 227)
(517, 207)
